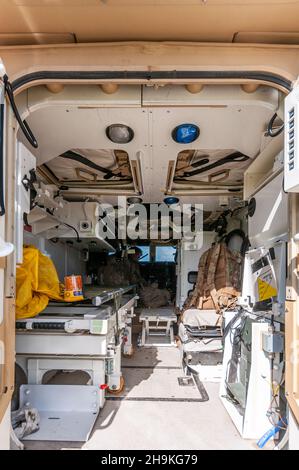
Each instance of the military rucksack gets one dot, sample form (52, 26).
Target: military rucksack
(218, 281)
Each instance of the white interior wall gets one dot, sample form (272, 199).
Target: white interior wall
(270, 219)
(65, 258)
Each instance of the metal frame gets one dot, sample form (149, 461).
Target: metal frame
(86, 337)
(151, 328)
(66, 412)
(254, 423)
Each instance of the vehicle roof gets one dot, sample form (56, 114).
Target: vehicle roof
(67, 21)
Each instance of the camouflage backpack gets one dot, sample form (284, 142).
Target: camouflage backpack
(218, 281)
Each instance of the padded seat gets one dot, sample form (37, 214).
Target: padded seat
(199, 331)
(198, 318)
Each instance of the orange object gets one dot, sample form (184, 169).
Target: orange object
(73, 288)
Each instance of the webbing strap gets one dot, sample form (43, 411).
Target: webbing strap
(211, 287)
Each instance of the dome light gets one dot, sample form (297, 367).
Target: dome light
(170, 200)
(134, 200)
(185, 133)
(119, 133)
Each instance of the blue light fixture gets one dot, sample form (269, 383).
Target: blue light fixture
(170, 200)
(185, 133)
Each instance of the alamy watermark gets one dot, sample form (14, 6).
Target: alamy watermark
(151, 221)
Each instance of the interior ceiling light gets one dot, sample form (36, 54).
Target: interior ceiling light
(134, 200)
(185, 133)
(119, 133)
(170, 200)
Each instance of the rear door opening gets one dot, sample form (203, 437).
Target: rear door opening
(206, 161)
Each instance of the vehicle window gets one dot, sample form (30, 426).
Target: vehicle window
(165, 254)
(145, 256)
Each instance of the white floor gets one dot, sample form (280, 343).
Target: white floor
(155, 412)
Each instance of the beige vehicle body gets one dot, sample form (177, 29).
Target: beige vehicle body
(92, 54)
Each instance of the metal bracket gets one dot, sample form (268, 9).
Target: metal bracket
(67, 412)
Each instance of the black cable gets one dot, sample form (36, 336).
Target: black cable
(23, 124)
(241, 234)
(270, 131)
(2, 203)
(285, 192)
(51, 212)
(236, 340)
(236, 232)
(73, 228)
